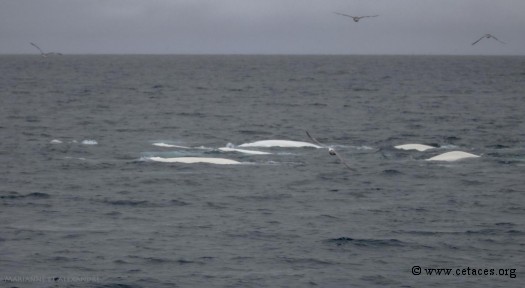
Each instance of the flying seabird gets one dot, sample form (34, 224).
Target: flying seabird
(488, 36)
(331, 151)
(355, 18)
(42, 52)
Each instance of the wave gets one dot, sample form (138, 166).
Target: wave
(166, 145)
(76, 158)
(139, 204)
(391, 172)
(162, 260)
(33, 195)
(89, 142)
(362, 147)
(83, 142)
(119, 285)
(254, 132)
(306, 261)
(142, 203)
(243, 151)
(448, 146)
(482, 232)
(365, 242)
(169, 154)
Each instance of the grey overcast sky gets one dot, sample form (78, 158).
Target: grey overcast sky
(262, 26)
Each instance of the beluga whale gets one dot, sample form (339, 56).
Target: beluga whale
(331, 151)
(418, 147)
(192, 160)
(452, 156)
(280, 143)
(244, 151)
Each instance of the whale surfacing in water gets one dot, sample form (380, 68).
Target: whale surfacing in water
(252, 152)
(452, 156)
(161, 144)
(279, 143)
(191, 160)
(418, 147)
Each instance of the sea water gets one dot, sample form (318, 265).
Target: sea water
(83, 205)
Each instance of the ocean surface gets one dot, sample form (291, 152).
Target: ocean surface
(84, 204)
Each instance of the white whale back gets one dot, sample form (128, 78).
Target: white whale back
(279, 143)
(191, 160)
(452, 156)
(418, 147)
(252, 152)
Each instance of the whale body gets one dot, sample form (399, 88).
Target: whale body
(89, 142)
(160, 144)
(229, 149)
(191, 160)
(279, 143)
(418, 147)
(452, 156)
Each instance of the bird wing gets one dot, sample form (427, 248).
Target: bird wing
(343, 161)
(315, 140)
(497, 39)
(478, 40)
(369, 16)
(36, 46)
(342, 14)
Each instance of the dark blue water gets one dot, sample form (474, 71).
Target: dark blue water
(83, 205)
